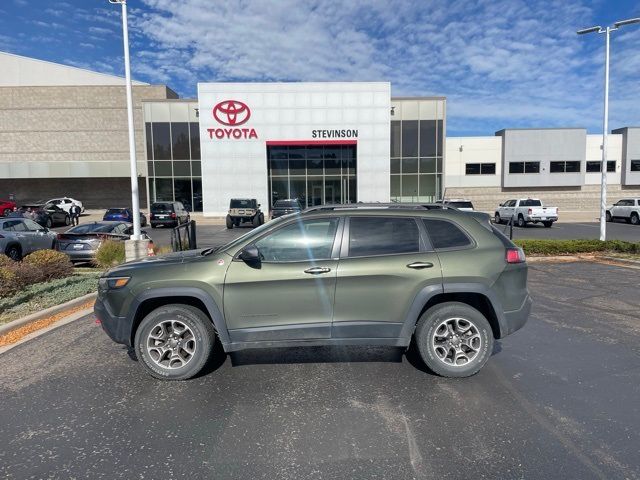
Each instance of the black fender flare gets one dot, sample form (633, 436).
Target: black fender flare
(212, 308)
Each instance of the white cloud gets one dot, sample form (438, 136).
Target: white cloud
(501, 63)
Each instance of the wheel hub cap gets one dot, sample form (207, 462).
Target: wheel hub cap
(456, 341)
(171, 344)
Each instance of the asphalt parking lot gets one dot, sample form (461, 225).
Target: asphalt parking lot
(558, 399)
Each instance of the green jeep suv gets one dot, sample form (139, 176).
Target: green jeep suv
(333, 275)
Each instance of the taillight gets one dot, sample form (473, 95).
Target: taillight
(173, 215)
(530, 211)
(515, 255)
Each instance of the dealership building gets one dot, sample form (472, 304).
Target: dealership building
(63, 131)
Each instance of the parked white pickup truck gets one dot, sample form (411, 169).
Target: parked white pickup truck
(526, 210)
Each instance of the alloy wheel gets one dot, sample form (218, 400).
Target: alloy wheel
(456, 342)
(171, 344)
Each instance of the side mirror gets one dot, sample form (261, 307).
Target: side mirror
(251, 256)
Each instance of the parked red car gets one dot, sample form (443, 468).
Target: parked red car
(6, 207)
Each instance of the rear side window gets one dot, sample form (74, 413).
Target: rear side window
(382, 236)
(445, 234)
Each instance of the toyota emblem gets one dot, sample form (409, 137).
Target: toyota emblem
(231, 113)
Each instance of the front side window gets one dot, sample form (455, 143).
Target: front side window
(300, 241)
(445, 234)
(382, 236)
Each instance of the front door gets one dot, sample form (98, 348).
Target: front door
(382, 268)
(290, 295)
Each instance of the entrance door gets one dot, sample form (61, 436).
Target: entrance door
(290, 296)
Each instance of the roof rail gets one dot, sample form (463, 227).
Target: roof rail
(379, 206)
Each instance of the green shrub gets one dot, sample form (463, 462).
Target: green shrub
(49, 264)
(110, 253)
(9, 283)
(572, 247)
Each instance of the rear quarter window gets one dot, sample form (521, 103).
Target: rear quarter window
(445, 234)
(370, 236)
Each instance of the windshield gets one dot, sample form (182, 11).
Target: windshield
(161, 207)
(530, 203)
(93, 228)
(241, 204)
(460, 204)
(287, 204)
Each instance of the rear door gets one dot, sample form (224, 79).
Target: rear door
(384, 263)
(39, 240)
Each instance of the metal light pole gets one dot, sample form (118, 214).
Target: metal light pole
(605, 123)
(135, 202)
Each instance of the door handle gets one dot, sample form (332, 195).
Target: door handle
(419, 265)
(317, 270)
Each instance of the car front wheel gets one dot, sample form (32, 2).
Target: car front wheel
(175, 342)
(49, 222)
(496, 219)
(14, 252)
(6, 212)
(67, 220)
(608, 216)
(229, 222)
(454, 339)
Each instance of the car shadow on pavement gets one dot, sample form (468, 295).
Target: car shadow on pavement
(321, 354)
(413, 356)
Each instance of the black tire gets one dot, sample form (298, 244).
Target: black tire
(433, 319)
(547, 224)
(204, 340)
(634, 218)
(261, 218)
(521, 222)
(496, 219)
(153, 226)
(6, 212)
(229, 222)
(608, 216)
(67, 220)
(49, 222)
(14, 252)
(255, 221)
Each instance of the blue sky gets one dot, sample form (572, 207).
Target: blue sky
(500, 63)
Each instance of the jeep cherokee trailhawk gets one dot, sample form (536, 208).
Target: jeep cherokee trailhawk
(333, 275)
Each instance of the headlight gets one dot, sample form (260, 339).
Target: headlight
(112, 283)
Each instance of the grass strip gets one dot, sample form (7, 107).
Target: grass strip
(573, 247)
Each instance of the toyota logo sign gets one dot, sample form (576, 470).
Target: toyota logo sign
(231, 113)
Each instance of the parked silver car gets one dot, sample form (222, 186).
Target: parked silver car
(21, 236)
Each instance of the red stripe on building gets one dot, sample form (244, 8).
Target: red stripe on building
(280, 143)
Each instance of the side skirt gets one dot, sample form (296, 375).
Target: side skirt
(391, 342)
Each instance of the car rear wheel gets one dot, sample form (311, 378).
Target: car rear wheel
(255, 221)
(14, 252)
(521, 222)
(262, 219)
(67, 220)
(454, 339)
(49, 222)
(496, 219)
(634, 219)
(175, 342)
(229, 222)
(7, 211)
(547, 224)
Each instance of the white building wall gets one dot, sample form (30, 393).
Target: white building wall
(463, 150)
(235, 168)
(594, 153)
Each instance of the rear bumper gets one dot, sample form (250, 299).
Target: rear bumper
(117, 328)
(541, 219)
(79, 255)
(514, 320)
(172, 223)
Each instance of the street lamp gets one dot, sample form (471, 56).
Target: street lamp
(135, 203)
(605, 124)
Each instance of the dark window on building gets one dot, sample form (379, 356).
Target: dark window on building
(428, 138)
(440, 125)
(428, 165)
(196, 169)
(531, 167)
(594, 167)
(180, 139)
(395, 165)
(163, 169)
(161, 141)
(564, 167)
(147, 131)
(409, 165)
(395, 139)
(635, 165)
(194, 129)
(382, 236)
(182, 169)
(410, 138)
(444, 234)
(472, 169)
(480, 169)
(516, 167)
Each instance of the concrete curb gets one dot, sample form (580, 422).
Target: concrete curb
(47, 312)
(622, 260)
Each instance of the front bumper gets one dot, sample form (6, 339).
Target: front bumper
(515, 319)
(118, 328)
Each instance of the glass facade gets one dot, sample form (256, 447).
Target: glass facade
(314, 174)
(173, 156)
(416, 160)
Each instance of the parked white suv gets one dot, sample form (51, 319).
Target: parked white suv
(627, 209)
(524, 211)
(64, 203)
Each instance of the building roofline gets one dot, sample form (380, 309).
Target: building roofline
(170, 100)
(540, 128)
(435, 97)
